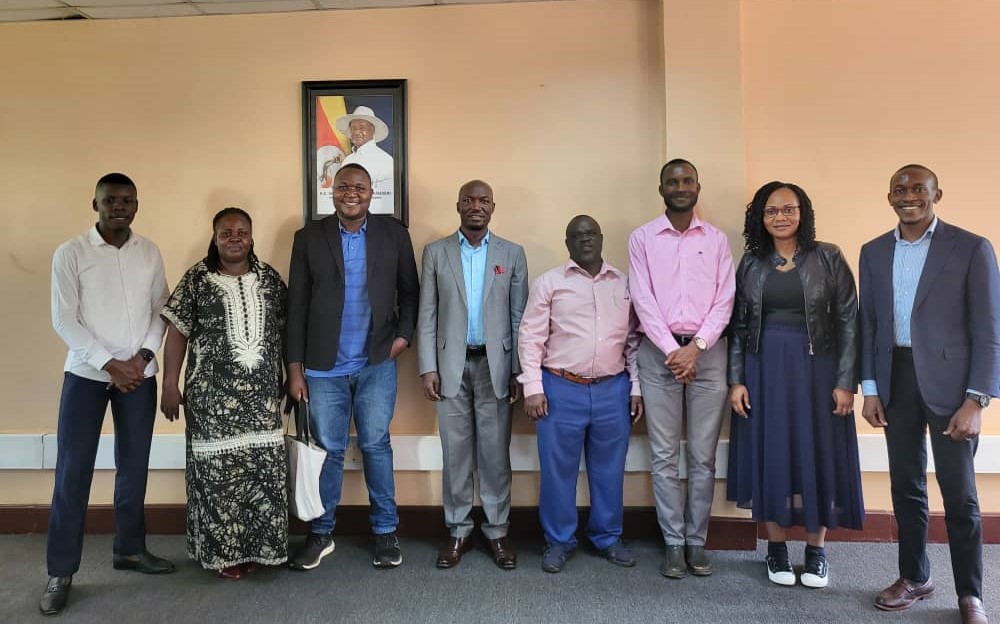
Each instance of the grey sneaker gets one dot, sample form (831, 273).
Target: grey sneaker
(554, 557)
(619, 554)
(317, 546)
(674, 566)
(387, 553)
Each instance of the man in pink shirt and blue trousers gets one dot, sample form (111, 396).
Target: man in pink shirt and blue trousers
(682, 285)
(577, 343)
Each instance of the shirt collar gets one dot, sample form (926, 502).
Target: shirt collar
(464, 242)
(343, 230)
(95, 238)
(572, 267)
(928, 233)
(663, 224)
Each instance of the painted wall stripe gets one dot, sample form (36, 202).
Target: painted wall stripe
(20, 451)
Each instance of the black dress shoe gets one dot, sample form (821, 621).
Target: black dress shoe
(56, 594)
(697, 561)
(145, 562)
(674, 566)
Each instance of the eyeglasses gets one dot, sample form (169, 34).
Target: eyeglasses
(786, 211)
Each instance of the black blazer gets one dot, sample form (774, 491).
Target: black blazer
(955, 324)
(316, 290)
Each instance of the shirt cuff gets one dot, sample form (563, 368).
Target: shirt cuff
(869, 387)
(532, 388)
(99, 358)
(635, 389)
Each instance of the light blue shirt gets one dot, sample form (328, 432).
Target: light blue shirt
(908, 260)
(474, 272)
(356, 321)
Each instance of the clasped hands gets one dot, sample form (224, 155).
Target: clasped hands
(126, 375)
(683, 362)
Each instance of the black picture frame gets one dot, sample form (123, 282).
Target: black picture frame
(323, 139)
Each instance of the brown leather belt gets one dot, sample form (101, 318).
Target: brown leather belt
(586, 381)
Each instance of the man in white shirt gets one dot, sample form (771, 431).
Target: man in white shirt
(365, 130)
(108, 286)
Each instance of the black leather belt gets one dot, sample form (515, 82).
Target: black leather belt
(475, 350)
(683, 340)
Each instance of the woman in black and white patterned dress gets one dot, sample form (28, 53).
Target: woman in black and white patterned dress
(228, 313)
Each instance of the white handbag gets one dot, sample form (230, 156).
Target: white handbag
(305, 461)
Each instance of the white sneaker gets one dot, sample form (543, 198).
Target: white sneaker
(816, 572)
(780, 571)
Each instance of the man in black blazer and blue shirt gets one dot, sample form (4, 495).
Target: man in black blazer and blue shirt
(930, 316)
(352, 309)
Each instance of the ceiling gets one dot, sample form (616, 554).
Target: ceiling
(38, 10)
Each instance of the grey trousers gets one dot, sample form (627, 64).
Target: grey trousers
(475, 434)
(683, 522)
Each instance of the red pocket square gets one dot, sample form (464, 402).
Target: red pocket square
(498, 270)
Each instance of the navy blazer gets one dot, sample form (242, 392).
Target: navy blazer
(955, 324)
(316, 290)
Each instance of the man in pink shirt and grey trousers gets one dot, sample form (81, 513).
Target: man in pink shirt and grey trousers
(682, 285)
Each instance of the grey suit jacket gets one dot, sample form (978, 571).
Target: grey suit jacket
(955, 324)
(443, 322)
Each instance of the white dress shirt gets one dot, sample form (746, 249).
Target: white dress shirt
(378, 163)
(106, 301)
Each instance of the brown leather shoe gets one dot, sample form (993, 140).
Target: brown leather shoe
(503, 554)
(972, 610)
(902, 594)
(452, 552)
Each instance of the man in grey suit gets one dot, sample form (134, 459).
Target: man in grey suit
(930, 322)
(474, 288)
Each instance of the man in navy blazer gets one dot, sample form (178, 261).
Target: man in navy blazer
(930, 315)
(352, 309)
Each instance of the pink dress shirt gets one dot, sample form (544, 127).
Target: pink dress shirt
(681, 282)
(578, 323)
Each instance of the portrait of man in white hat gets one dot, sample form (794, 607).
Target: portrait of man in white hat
(365, 130)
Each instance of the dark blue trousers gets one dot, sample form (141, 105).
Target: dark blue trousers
(593, 419)
(81, 414)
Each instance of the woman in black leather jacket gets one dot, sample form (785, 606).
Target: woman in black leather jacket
(793, 455)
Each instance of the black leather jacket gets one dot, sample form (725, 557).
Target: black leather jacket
(831, 310)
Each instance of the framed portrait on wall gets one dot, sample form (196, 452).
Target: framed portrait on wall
(355, 121)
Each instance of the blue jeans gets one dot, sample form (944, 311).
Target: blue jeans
(370, 396)
(593, 420)
(81, 413)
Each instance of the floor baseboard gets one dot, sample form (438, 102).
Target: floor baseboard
(428, 522)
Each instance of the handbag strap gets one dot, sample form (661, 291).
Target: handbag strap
(299, 412)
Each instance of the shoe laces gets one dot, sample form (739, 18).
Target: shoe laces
(387, 540)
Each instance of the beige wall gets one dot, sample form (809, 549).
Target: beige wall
(566, 107)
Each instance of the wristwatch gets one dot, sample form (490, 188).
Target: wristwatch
(146, 355)
(700, 343)
(982, 400)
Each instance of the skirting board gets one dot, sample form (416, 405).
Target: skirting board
(423, 452)
(428, 522)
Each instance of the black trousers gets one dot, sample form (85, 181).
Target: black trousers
(81, 413)
(909, 419)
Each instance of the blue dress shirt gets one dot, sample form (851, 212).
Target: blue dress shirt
(474, 272)
(356, 324)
